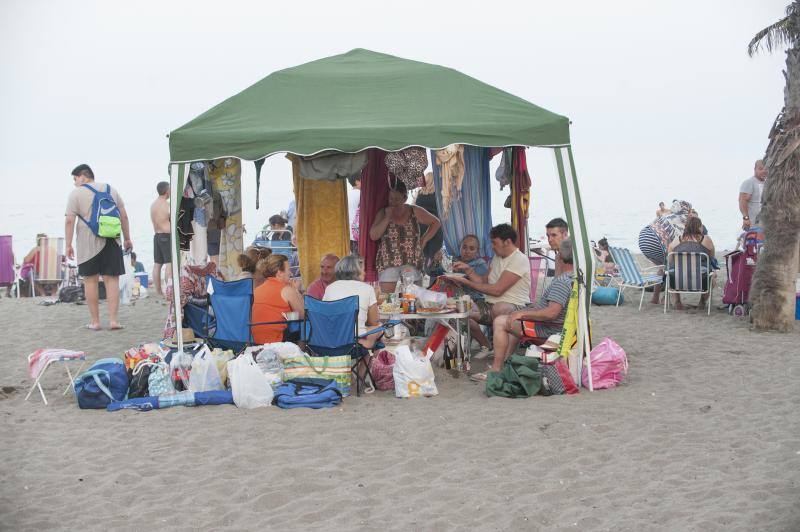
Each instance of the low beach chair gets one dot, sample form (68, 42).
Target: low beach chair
(49, 264)
(689, 273)
(41, 359)
(332, 330)
(630, 276)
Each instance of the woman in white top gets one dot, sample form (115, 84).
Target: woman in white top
(350, 282)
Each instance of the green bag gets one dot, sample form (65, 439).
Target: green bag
(520, 377)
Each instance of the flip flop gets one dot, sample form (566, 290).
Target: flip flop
(95, 329)
(116, 328)
(479, 377)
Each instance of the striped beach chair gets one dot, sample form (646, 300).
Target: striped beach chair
(41, 359)
(689, 273)
(630, 276)
(49, 265)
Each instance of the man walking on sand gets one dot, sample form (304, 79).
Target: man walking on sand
(96, 255)
(162, 251)
(750, 195)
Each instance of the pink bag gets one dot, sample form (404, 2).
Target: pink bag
(381, 370)
(609, 365)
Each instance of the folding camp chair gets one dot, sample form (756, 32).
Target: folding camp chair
(630, 276)
(689, 273)
(538, 275)
(41, 359)
(225, 320)
(49, 264)
(332, 330)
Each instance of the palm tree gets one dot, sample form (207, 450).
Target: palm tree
(773, 290)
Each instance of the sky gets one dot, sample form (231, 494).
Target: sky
(663, 99)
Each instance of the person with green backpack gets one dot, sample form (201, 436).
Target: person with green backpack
(97, 250)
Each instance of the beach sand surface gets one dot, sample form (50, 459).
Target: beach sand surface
(704, 434)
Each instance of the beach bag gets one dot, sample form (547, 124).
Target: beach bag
(413, 374)
(519, 377)
(71, 294)
(606, 295)
(609, 365)
(140, 380)
(104, 382)
(556, 379)
(330, 368)
(204, 375)
(381, 370)
(308, 393)
(249, 386)
(104, 219)
(159, 381)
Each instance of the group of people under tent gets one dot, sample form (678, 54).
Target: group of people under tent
(500, 288)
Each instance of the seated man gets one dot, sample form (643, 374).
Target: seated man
(507, 286)
(557, 230)
(541, 320)
(327, 275)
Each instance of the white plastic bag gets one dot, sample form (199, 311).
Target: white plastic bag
(204, 375)
(413, 374)
(249, 386)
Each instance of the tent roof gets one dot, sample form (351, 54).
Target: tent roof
(364, 99)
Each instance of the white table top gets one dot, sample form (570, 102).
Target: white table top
(424, 316)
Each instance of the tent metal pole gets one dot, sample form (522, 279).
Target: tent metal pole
(176, 184)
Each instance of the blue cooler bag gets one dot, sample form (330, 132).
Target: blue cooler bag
(307, 393)
(105, 382)
(606, 295)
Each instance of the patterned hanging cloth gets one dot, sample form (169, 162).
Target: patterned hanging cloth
(225, 175)
(520, 196)
(450, 161)
(374, 197)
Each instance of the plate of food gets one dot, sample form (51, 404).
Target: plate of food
(455, 275)
(435, 310)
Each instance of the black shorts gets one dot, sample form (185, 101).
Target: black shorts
(162, 252)
(107, 262)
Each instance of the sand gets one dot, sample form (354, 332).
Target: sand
(703, 435)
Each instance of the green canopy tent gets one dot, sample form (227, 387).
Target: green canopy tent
(363, 99)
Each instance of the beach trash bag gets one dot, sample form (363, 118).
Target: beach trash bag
(308, 393)
(381, 369)
(204, 375)
(413, 374)
(609, 365)
(250, 387)
(607, 295)
(104, 382)
(519, 377)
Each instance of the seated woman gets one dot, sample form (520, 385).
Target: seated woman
(470, 261)
(350, 282)
(692, 241)
(248, 261)
(273, 298)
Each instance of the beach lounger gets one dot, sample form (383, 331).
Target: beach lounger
(689, 273)
(49, 264)
(630, 276)
(41, 359)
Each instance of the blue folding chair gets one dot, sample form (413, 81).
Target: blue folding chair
(225, 321)
(332, 330)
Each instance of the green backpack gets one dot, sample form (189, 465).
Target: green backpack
(520, 377)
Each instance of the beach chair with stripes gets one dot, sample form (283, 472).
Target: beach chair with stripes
(689, 273)
(49, 264)
(41, 359)
(630, 276)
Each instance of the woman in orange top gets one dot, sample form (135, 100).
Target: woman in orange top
(275, 296)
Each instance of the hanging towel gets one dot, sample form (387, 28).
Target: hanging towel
(450, 161)
(374, 197)
(225, 175)
(520, 196)
(322, 224)
(472, 212)
(330, 165)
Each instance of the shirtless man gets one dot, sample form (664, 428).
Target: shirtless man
(162, 252)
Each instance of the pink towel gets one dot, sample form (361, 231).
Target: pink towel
(41, 357)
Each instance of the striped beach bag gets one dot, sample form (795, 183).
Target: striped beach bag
(335, 368)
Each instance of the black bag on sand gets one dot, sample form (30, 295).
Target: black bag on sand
(139, 379)
(71, 294)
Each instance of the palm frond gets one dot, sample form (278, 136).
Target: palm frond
(775, 35)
